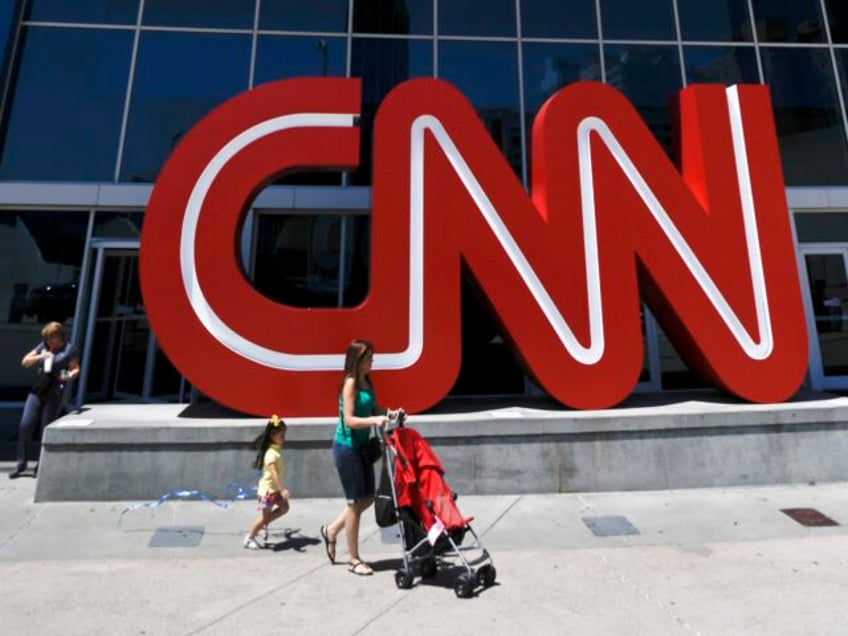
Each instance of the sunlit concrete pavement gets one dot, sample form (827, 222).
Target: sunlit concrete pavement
(708, 561)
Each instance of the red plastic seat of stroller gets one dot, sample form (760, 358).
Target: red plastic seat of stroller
(419, 479)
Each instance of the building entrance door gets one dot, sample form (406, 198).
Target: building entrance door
(121, 360)
(826, 267)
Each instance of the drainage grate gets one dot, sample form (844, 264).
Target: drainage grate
(610, 526)
(809, 517)
(176, 537)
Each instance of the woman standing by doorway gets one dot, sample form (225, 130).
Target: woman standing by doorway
(57, 364)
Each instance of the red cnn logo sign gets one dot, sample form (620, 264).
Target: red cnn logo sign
(609, 219)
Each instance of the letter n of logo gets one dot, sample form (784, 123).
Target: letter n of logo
(609, 219)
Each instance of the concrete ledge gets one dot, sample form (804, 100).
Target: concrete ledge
(138, 452)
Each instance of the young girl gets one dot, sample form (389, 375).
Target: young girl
(273, 496)
(358, 412)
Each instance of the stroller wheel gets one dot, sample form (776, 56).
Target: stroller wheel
(403, 580)
(486, 575)
(428, 568)
(464, 585)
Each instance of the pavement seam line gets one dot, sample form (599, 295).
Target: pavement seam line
(502, 515)
(626, 580)
(247, 604)
(22, 527)
(400, 599)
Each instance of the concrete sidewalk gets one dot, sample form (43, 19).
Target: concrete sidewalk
(707, 561)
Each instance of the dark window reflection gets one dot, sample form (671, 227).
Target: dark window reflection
(477, 17)
(96, 11)
(837, 13)
(550, 67)
(821, 227)
(117, 224)
(233, 14)
(65, 116)
(788, 20)
(484, 349)
(644, 20)
(315, 15)
(383, 63)
(179, 77)
(40, 258)
(727, 20)
(827, 278)
(8, 23)
(546, 19)
(298, 259)
(487, 74)
(674, 372)
(281, 56)
(649, 76)
(807, 115)
(397, 17)
(726, 65)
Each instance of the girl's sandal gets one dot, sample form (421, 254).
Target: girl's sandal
(360, 567)
(329, 546)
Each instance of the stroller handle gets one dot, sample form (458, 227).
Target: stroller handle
(398, 417)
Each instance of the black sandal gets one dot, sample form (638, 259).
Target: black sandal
(360, 568)
(329, 546)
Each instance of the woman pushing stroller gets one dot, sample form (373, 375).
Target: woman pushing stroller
(358, 412)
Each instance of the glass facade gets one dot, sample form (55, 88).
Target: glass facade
(127, 79)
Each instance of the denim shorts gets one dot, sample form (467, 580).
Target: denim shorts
(357, 475)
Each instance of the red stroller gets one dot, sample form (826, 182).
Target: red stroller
(414, 494)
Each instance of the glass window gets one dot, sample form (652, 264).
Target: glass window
(837, 14)
(726, 65)
(545, 19)
(788, 20)
(807, 115)
(487, 74)
(117, 224)
(550, 67)
(8, 23)
(644, 20)
(315, 15)
(179, 77)
(223, 14)
(40, 259)
(726, 21)
(413, 17)
(383, 63)
(65, 116)
(649, 76)
(280, 56)
(484, 348)
(674, 374)
(821, 227)
(298, 259)
(477, 17)
(827, 277)
(8, 20)
(83, 11)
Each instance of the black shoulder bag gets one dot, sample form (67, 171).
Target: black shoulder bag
(44, 386)
(373, 450)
